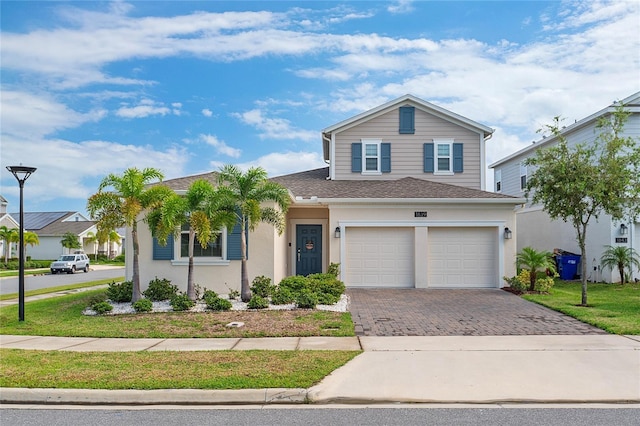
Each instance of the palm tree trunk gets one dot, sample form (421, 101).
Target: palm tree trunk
(191, 290)
(245, 292)
(621, 271)
(136, 295)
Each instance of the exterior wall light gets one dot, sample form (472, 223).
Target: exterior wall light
(337, 232)
(623, 229)
(507, 233)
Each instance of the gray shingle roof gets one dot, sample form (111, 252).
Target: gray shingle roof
(314, 183)
(51, 223)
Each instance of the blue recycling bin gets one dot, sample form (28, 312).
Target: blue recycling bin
(568, 266)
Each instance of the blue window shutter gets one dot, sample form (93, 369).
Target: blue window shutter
(428, 158)
(457, 158)
(163, 252)
(356, 157)
(234, 243)
(407, 120)
(385, 149)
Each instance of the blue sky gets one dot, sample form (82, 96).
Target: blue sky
(92, 88)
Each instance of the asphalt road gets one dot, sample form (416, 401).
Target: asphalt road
(520, 415)
(37, 282)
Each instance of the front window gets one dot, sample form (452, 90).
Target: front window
(444, 156)
(498, 177)
(371, 156)
(213, 249)
(523, 176)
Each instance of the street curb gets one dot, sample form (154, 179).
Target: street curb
(152, 397)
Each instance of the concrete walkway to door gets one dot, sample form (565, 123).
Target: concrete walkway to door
(455, 312)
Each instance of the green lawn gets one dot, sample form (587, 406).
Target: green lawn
(611, 307)
(11, 296)
(168, 370)
(62, 316)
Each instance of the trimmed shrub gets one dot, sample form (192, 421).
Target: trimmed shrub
(327, 288)
(262, 286)
(282, 296)
(209, 294)
(258, 302)
(160, 289)
(295, 283)
(143, 305)
(181, 302)
(334, 269)
(543, 285)
(306, 299)
(102, 307)
(120, 292)
(218, 304)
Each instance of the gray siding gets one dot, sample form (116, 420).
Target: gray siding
(407, 149)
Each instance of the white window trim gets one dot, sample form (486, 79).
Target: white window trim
(198, 260)
(523, 172)
(436, 171)
(366, 142)
(498, 178)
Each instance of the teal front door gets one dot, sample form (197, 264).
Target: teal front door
(308, 249)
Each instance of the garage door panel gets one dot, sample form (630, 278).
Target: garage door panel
(462, 257)
(379, 257)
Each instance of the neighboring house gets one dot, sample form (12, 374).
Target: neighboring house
(51, 227)
(10, 223)
(400, 205)
(537, 230)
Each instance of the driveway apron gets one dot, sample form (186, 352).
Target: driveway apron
(458, 312)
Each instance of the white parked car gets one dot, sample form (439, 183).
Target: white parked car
(70, 263)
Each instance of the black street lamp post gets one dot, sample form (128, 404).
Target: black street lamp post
(21, 173)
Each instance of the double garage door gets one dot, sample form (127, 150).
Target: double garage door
(462, 257)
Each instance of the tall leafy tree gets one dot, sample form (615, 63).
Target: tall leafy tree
(578, 184)
(130, 194)
(70, 241)
(205, 209)
(535, 261)
(8, 236)
(248, 191)
(620, 257)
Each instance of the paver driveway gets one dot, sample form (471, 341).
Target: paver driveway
(477, 312)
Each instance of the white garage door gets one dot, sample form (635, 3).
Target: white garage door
(379, 257)
(462, 257)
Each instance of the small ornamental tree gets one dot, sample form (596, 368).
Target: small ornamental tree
(620, 257)
(70, 241)
(579, 183)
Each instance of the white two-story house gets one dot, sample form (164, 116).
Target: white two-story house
(537, 230)
(399, 205)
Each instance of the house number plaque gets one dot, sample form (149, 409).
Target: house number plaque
(419, 214)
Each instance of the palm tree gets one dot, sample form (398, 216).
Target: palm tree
(205, 209)
(70, 241)
(30, 239)
(8, 236)
(248, 191)
(534, 260)
(621, 257)
(92, 238)
(131, 195)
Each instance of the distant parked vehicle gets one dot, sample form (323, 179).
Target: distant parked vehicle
(70, 263)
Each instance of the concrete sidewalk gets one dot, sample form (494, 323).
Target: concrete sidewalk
(444, 369)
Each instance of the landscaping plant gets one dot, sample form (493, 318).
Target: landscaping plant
(620, 257)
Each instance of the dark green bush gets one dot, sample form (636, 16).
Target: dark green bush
(160, 289)
(282, 296)
(120, 292)
(102, 307)
(262, 286)
(143, 305)
(306, 299)
(181, 302)
(100, 297)
(209, 294)
(295, 283)
(258, 302)
(327, 288)
(119, 258)
(218, 304)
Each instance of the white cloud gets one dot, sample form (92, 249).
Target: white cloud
(220, 146)
(401, 7)
(147, 108)
(207, 112)
(282, 163)
(274, 128)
